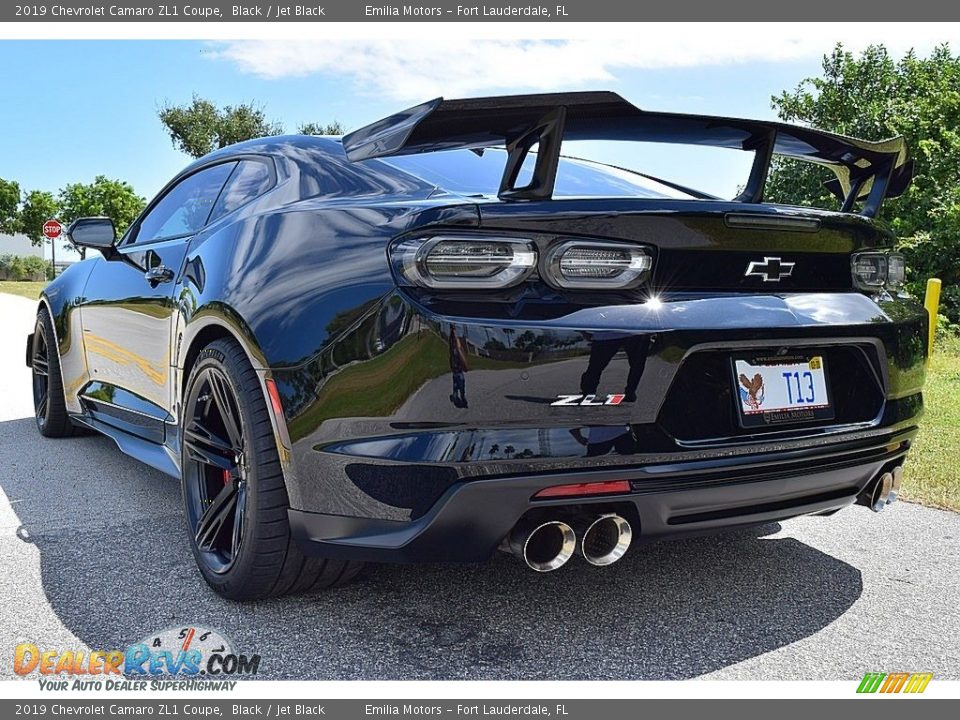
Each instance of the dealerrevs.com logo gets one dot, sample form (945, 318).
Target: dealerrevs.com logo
(900, 682)
(177, 658)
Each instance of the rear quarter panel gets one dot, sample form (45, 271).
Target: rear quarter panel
(285, 281)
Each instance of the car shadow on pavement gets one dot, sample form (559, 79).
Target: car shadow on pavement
(115, 567)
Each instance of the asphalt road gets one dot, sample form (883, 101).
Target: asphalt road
(93, 555)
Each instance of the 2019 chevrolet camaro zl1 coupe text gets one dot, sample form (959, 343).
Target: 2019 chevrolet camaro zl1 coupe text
(439, 336)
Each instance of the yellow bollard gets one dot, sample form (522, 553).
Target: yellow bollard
(931, 302)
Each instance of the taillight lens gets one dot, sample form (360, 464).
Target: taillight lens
(896, 271)
(451, 262)
(874, 271)
(579, 264)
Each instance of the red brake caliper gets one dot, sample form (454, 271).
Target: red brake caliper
(226, 477)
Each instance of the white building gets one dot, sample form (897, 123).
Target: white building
(19, 245)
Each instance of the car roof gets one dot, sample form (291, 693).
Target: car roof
(291, 146)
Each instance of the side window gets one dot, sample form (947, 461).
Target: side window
(250, 179)
(185, 208)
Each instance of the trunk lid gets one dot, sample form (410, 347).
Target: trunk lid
(704, 245)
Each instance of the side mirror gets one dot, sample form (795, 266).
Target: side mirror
(93, 232)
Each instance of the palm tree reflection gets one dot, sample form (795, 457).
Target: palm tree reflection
(602, 439)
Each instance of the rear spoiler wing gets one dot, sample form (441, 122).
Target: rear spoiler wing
(867, 171)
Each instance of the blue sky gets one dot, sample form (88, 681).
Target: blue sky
(79, 109)
(76, 109)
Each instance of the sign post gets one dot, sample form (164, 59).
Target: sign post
(52, 230)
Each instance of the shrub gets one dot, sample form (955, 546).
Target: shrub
(35, 266)
(18, 267)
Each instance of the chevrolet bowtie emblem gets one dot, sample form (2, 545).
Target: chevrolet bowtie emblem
(772, 269)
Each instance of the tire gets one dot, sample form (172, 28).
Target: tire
(233, 490)
(49, 406)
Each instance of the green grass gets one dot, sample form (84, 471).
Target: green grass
(377, 387)
(30, 290)
(932, 472)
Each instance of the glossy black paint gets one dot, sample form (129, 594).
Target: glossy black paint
(376, 445)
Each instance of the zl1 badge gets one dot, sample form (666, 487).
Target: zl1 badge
(587, 400)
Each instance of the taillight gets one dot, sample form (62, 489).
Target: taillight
(582, 264)
(452, 262)
(896, 271)
(875, 271)
(488, 263)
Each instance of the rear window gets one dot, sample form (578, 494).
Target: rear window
(249, 180)
(469, 173)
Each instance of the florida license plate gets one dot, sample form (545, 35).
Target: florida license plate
(781, 390)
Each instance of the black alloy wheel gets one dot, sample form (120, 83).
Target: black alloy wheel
(216, 478)
(233, 488)
(49, 405)
(40, 365)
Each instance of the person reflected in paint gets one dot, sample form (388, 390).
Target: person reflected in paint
(603, 347)
(459, 368)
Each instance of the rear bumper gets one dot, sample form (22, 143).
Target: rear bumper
(395, 455)
(670, 499)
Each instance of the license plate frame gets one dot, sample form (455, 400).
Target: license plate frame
(817, 384)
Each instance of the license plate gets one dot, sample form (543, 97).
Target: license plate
(775, 391)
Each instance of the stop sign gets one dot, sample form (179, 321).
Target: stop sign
(52, 229)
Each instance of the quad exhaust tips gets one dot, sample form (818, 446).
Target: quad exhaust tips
(882, 491)
(546, 545)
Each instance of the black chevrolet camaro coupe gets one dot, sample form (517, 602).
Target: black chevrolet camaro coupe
(439, 336)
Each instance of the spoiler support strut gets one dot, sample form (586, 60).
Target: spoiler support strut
(547, 135)
(763, 147)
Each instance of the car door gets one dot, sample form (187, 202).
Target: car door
(128, 312)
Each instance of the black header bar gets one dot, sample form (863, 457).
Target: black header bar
(468, 11)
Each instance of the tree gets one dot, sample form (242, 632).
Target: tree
(875, 97)
(114, 199)
(38, 207)
(334, 128)
(201, 127)
(9, 206)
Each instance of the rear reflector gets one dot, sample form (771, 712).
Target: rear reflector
(274, 399)
(610, 487)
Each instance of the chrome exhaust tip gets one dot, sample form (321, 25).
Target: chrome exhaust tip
(876, 495)
(606, 540)
(543, 546)
(897, 474)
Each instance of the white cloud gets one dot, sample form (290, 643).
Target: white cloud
(417, 68)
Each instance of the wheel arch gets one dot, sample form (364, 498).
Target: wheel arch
(44, 304)
(61, 339)
(209, 333)
(208, 327)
